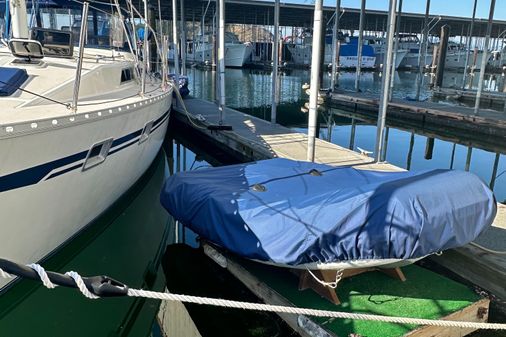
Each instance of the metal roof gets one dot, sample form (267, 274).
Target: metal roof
(301, 15)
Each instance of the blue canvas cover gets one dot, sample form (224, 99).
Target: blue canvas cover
(11, 79)
(292, 217)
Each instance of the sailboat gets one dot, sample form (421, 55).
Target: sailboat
(79, 125)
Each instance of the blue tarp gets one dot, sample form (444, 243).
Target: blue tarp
(344, 214)
(11, 79)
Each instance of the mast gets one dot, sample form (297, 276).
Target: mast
(19, 19)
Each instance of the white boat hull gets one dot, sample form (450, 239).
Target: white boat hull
(454, 60)
(45, 196)
(236, 54)
(380, 58)
(301, 55)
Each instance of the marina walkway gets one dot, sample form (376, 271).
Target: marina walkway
(487, 121)
(256, 139)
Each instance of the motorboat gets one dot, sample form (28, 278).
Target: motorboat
(303, 215)
(380, 49)
(455, 56)
(301, 51)
(79, 125)
(237, 53)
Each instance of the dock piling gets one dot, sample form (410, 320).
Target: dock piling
(175, 48)
(182, 25)
(468, 47)
(441, 58)
(275, 63)
(359, 47)
(221, 60)
(386, 78)
(315, 79)
(335, 53)
(396, 48)
(423, 51)
(484, 57)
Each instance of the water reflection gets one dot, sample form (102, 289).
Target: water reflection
(127, 243)
(250, 88)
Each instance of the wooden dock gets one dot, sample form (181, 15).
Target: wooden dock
(488, 98)
(255, 139)
(487, 122)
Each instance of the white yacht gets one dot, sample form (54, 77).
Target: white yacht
(237, 53)
(379, 46)
(455, 56)
(63, 164)
(301, 51)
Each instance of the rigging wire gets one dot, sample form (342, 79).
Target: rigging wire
(67, 105)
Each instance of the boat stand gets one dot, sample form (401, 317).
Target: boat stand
(326, 289)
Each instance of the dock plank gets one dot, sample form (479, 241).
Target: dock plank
(486, 121)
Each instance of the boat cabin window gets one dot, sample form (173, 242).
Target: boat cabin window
(126, 75)
(27, 49)
(54, 43)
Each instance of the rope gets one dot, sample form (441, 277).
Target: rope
(3, 274)
(175, 88)
(43, 275)
(80, 284)
(311, 312)
(488, 250)
(333, 284)
(267, 307)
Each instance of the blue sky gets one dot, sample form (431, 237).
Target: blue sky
(441, 7)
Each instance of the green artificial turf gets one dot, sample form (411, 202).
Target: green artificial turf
(425, 294)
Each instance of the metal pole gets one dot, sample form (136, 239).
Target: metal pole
(144, 49)
(396, 48)
(221, 59)
(359, 47)
(386, 78)
(468, 47)
(452, 160)
(484, 58)
(352, 134)
(494, 171)
(315, 79)
(182, 25)
(410, 151)
(469, 152)
(82, 37)
(334, 45)
(175, 47)
(422, 51)
(275, 63)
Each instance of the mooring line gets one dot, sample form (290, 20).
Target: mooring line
(102, 286)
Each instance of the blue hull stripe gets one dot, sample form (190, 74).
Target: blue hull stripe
(33, 175)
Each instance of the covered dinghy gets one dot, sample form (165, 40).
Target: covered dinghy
(301, 214)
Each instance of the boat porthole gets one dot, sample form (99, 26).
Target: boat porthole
(33, 125)
(99, 113)
(9, 129)
(72, 119)
(54, 122)
(110, 111)
(86, 116)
